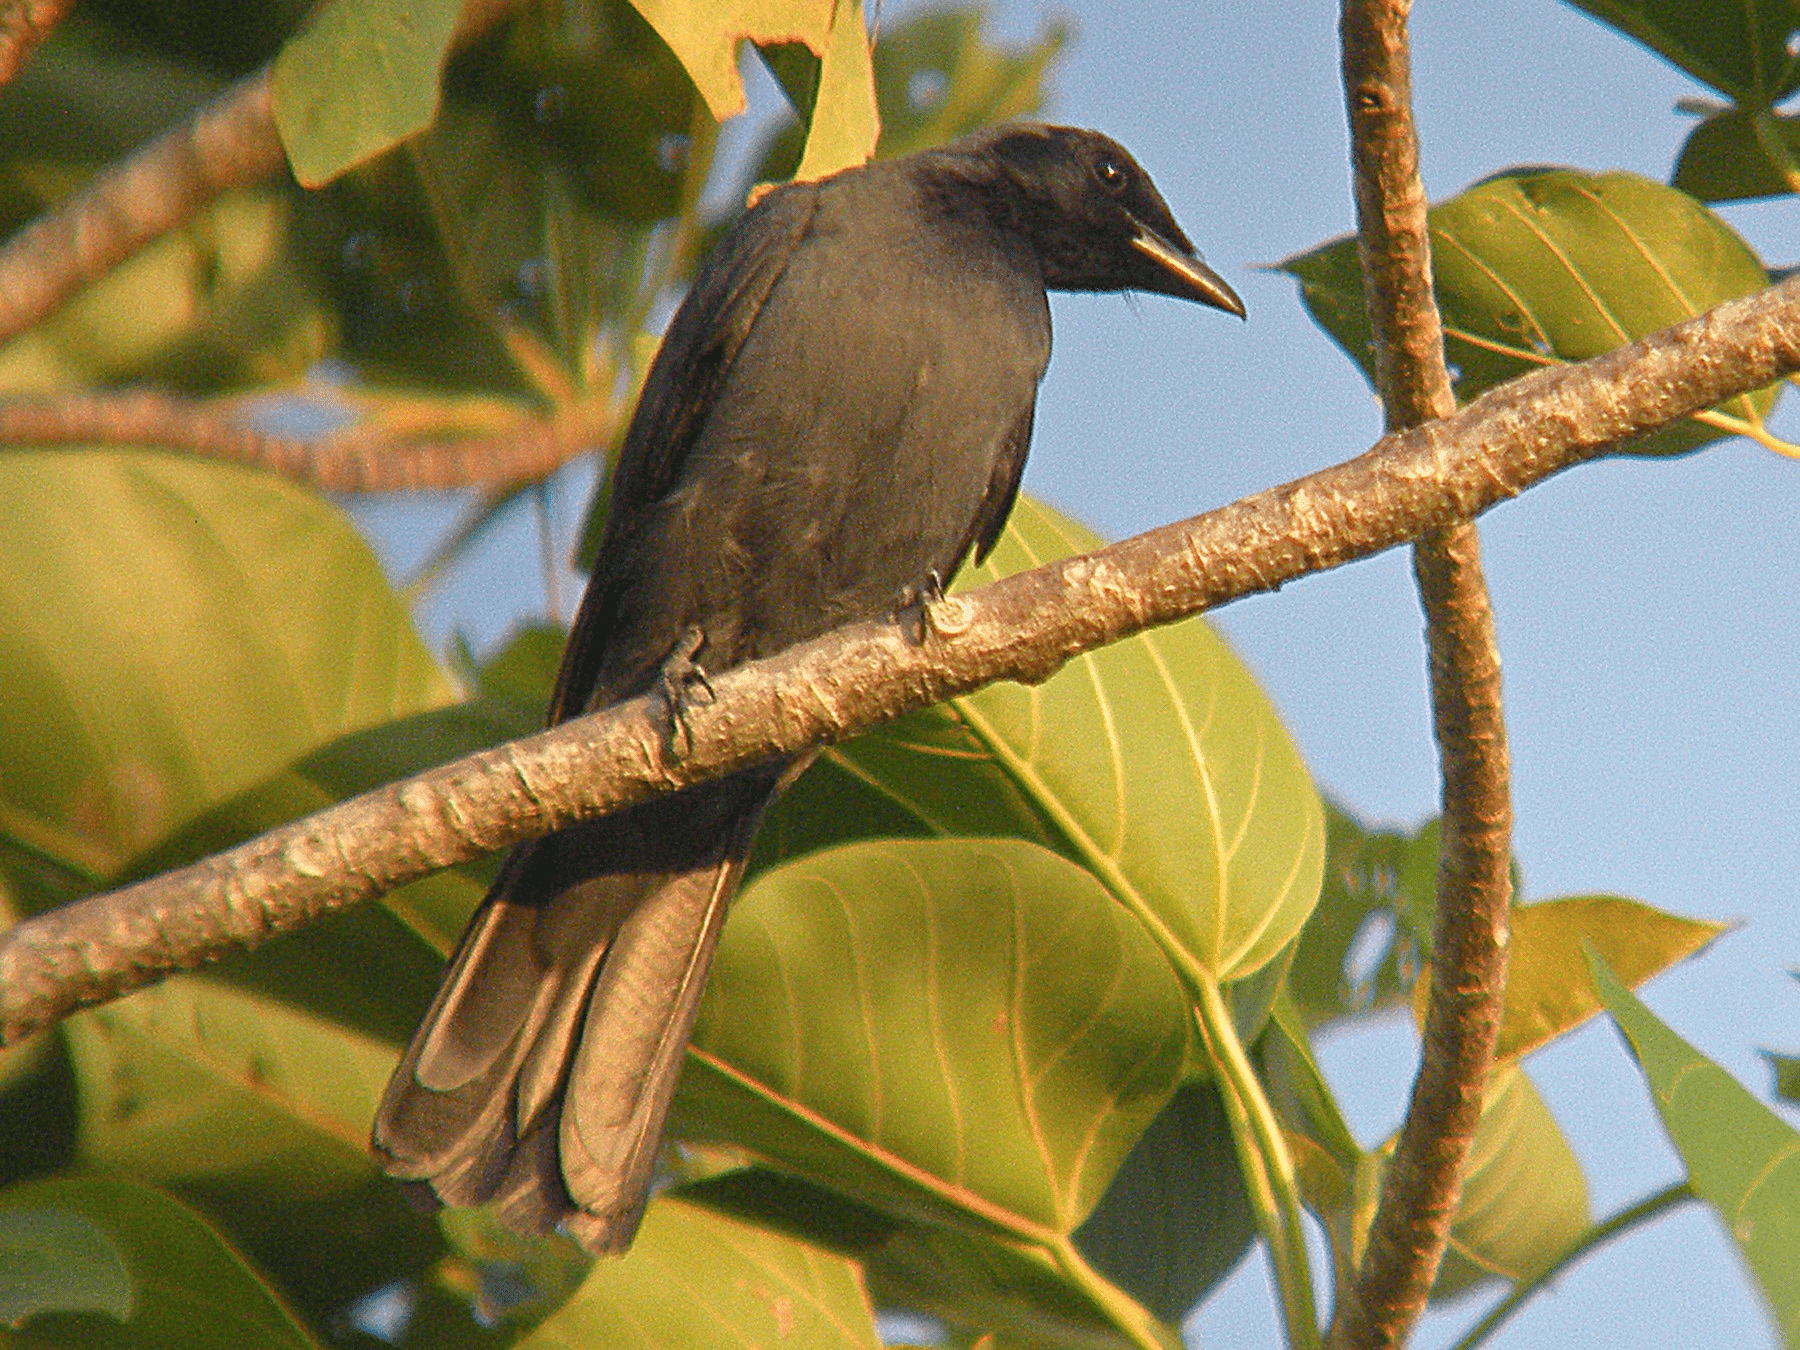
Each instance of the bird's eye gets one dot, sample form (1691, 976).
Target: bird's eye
(1112, 177)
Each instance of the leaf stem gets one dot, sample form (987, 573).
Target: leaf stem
(1630, 1217)
(1125, 1312)
(1268, 1165)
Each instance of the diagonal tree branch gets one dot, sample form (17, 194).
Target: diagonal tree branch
(1423, 1184)
(229, 143)
(1023, 628)
(358, 459)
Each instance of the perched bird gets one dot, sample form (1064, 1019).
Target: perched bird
(838, 417)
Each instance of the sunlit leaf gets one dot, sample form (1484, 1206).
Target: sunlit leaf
(193, 1079)
(701, 1281)
(1167, 770)
(1547, 989)
(188, 1289)
(1742, 1158)
(1538, 267)
(969, 1030)
(1735, 154)
(360, 77)
(843, 125)
(1787, 1075)
(1739, 47)
(178, 630)
(1523, 1199)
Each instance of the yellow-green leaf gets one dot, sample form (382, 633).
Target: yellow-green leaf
(1742, 1159)
(1547, 989)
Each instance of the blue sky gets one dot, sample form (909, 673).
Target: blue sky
(1648, 612)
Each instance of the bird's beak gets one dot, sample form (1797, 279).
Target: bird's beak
(1185, 276)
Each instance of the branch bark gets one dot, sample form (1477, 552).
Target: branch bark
(354, 460)
(1023, 628)
(24, 24)
(1423, 1185)
(229, 143)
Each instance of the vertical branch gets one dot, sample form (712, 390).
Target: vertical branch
(1468, 972)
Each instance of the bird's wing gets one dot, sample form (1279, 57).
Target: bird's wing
(690, 370)
(1002, 490)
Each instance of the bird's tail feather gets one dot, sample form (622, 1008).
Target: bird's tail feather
(540, 1078)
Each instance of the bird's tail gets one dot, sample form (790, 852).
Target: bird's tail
(539, 1080)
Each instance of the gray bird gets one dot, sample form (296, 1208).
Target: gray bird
(839, 415)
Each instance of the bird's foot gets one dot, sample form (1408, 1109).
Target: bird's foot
(680, 685)
(916, 603)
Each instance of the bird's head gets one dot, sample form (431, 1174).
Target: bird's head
(1096, 220)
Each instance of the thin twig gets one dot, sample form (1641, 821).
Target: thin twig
(1423, 1184)
(24, 24)
(356, 460)
(1023, 628)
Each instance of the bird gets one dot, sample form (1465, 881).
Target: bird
(838, 417)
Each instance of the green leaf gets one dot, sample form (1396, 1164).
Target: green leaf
(1523, 1200)
(1737, 154)
(1168, 772)
(1739, 47)
(272, 632)
(1547, 989)
(1175, 1221)
(987, 1287)
(196, 1080)
(1539, 267)
(360, 77)
(188, 1289)
(698, 1280)
(178, 631)
(1742, 1159)
(55, 1260)
(1787, 1075)
(905, 1021)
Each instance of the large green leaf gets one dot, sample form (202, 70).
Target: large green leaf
(1742, 1158)
(195, 1080)
(187, 1289)
(968, 1031)
(360, 77)
(701, 1281)
(1175, 1221)
(53, 1260)
(1739, 47)
(1523, 1199)
(1544, 266)
(1168, 772)
(176, 630)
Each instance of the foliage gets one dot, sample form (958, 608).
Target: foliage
(1013, 1023)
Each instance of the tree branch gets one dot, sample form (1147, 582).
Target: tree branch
(229, 143)
(1023, 628)
(358, 459)
(24, 24)
(1423, 1184)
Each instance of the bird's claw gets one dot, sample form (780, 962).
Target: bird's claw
(678, 686)
(916, 602)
